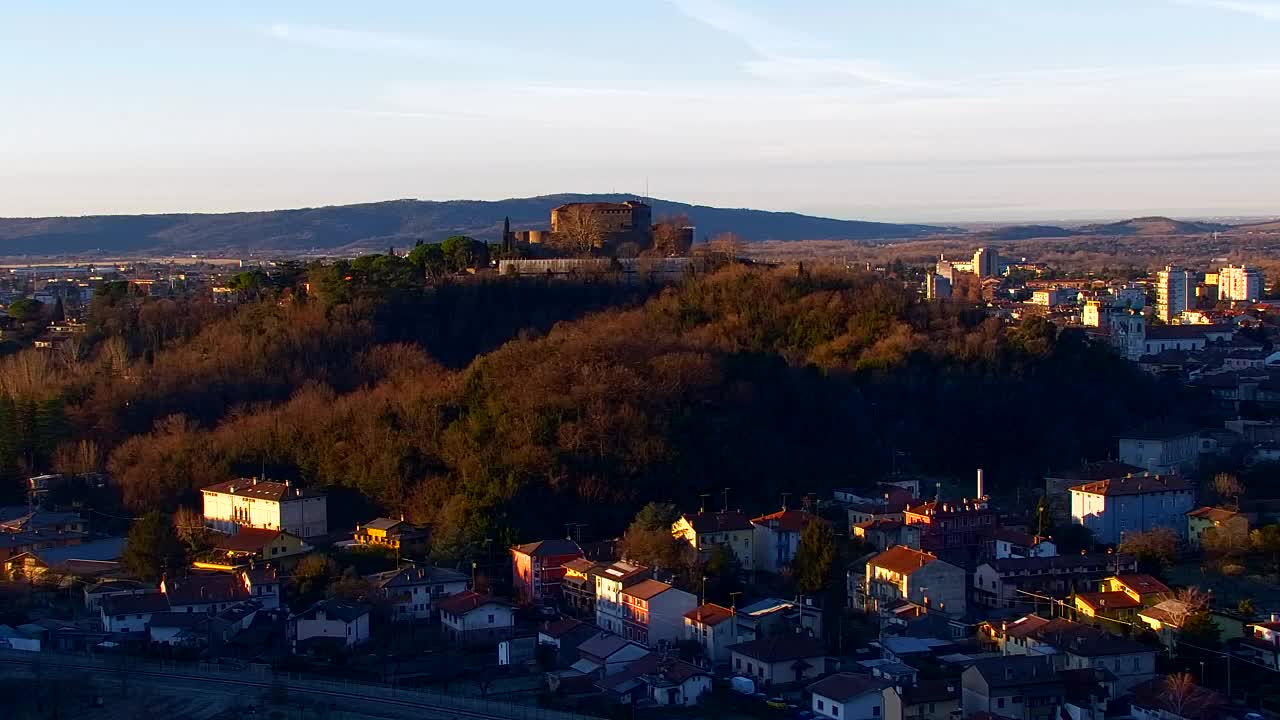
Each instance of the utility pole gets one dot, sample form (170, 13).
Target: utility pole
(726, 499)
(703, 507)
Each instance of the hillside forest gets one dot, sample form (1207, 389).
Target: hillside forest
(499, 409)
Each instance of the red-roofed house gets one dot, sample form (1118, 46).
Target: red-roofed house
(471, 618)
(653, 612)
(777, 536)
(204, 593)
(903, 574)
(537, 569)
(712, 627)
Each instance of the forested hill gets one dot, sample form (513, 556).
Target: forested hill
(375, 226)
(497, 409)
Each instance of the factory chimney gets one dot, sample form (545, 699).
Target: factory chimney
(981, 494)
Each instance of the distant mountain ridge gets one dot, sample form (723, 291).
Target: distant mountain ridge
(1153, 226)
(347, 228)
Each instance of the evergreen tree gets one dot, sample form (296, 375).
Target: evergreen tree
(153, 548)
(815, 557)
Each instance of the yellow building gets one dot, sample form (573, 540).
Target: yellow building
(388, 533)
(704, 531)
(1144, 589)
(1117, 605)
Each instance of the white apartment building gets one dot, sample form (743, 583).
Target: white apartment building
(610, 582)
(249, 502)
(1240, 284)
(986, 262)
(1110, 508)
(1175, 292)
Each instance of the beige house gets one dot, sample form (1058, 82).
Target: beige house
(730, 528)
(902, 574)
(1211, 518)
(779, 660)
(926, 700)
(712, 627)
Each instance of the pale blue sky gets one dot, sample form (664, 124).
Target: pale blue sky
(882, 109)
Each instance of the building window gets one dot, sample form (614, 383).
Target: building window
(1000, 702)
(490, 619)
(821, 706)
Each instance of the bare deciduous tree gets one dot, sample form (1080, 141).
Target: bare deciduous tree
(579, 231)
(1228, 487)
(28, 373)
(1190, 601)
(1180, 688)
(114, 355)
(190, 526)
(729, 245)
(669, 236)
(77, 458)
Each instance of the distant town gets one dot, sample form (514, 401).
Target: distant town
(1086, 592)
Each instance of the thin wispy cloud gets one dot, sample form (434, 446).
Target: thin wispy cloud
(1256, 8)
(785, 55)
(365, 41)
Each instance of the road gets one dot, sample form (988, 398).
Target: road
(182, 693)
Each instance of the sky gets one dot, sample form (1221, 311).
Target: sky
(907, 110)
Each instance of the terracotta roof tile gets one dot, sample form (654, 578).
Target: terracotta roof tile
(902, 559)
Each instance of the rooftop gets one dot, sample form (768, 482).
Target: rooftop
(202, 589)
(780, 648)
(246, 540)
(647, 589)
(549, 548)
(263, 489)
(727, 521)
(466, 601)
(344, 611)
(382, 523)
(1108, 600)
(1135, 485)
(1059, 562)
(1015, 670)
(1213, 514)
(151, 602)
(902, 559)
(561, 627)
(1142, 583)
(786, 520)
(709, 614)
(408, 577)
(845, 686)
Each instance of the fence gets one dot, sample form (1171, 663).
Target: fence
(262, 677)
